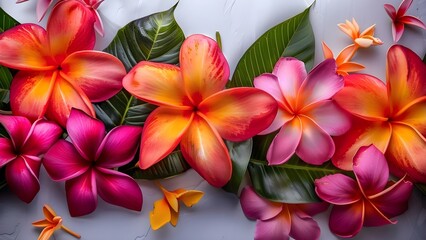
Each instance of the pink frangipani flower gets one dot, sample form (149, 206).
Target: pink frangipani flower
(279, 221)
(370, 200)
(21, 153)
(306, 115)
(87, 161)
(399, 19)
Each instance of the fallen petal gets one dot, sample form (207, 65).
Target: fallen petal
(160, 215)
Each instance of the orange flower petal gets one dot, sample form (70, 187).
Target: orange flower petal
(204, 68)
(406, 153)
(190, 197)
(156, 83)
(46, 233)
(205, 151)
(346, 54)
(160, 215)
(415, 116)
(174, 218)
(327, 51)
(42, 223)
(70, 29)
(30, 92)
(364, 96)
(24, 47)
(171, 198)
(239, 113)
(162, 132)
(48, 212)
(350, 67)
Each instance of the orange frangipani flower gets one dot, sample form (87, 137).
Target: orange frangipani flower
(167, 209)
(344, 66)
(364, 39)
(52, 223)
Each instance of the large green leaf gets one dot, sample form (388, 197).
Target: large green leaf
(291, 38)
(292, 182)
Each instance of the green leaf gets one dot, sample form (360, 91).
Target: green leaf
(3, 182)
(422, 188)
(219, 40)
(240, 155)
(291, 38)
(292, 182)
(6, 21)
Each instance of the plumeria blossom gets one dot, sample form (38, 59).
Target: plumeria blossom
(195, 111)
(87, 161)
(58, 68)
(370, 200)
(364, 39)
(167, 209)
(391, 116)
(52, 223)
(343, 60)
(399, 18)
(92, 5)
(21, 154)
(279, 221)
(306, 116)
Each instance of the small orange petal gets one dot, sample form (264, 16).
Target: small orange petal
(327, 52)
(42, 223)
(174, 219)
(46, 233)
(160, 215)
(190, 197)
(48, 212)
(171, 198)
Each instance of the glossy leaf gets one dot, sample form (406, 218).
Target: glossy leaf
(292, 182)
(291, 38)
(240, 156)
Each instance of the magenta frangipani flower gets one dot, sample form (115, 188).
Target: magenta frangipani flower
(21, 153)
(279, 221)
(370, 200)
(87, 161)
(306, 115)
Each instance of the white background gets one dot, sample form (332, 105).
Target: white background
(218, 215)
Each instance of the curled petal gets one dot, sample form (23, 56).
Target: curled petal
(346, 54)
(410, 20)
(274, 228)
(239, 113)
(99, 26)
(42, 136)
(17, 127)
(190, 197)
(21, 178)
(92, 71)
(391, 11)
(162, 133)
(364, 42)
(347, 220)
(160, 215)
(338, 189)
(118, 189)
(6, 151)
(81, 194)
(42, 6)
(326, 51)
(204, 68)
(256, 207)
(349, 67)
(205, 151)
(403, 7)
(304, 226)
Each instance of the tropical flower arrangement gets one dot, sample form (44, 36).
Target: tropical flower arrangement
(308, 138)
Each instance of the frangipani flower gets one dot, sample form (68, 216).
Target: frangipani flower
(167, 209)
(52, 223)
(364, 39)
(279, 221)
(344, 66)
(307, 116)
(21, 153)
(195, 111)
(391, 116)
(87, 161)
(58, 69)
(399, 19)
(368, 201)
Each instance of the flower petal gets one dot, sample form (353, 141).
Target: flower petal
(326, 51)
(406, 153)
(397, 30)
(25, 47)
(364, 96)
(274, 228)
(391, 11)
(7, 151)
(338, 189)
(157, 83)
(415, 117)
(349, 67)
(21, 178)
(190, 197)
(373, 217)
(313, 208)
(46, 233)
(269, 83)
(239, 113)
(204, 68)
(17, 127)
(78, 33)
(256, 207)
(163, 130)
(42, 136)
(285, 142)
(403, 7)
(81, 194)
(42, 6)
(347, 220)
(98, 74)
(205, 151)
(280, 119)
(304, 226)
(48, 212)
(405, 76)
(329, 117)
(63, 162)
(119, 146)
(362, 133)
(315, 146)
(321, 84)
(30, 93)
(118, 189)
(86, 133)
(371, 169)
(160, 215)
(410, 20)
(66, 96)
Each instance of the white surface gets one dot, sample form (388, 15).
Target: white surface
(218, 215)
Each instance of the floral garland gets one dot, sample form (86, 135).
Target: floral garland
(63, 109)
